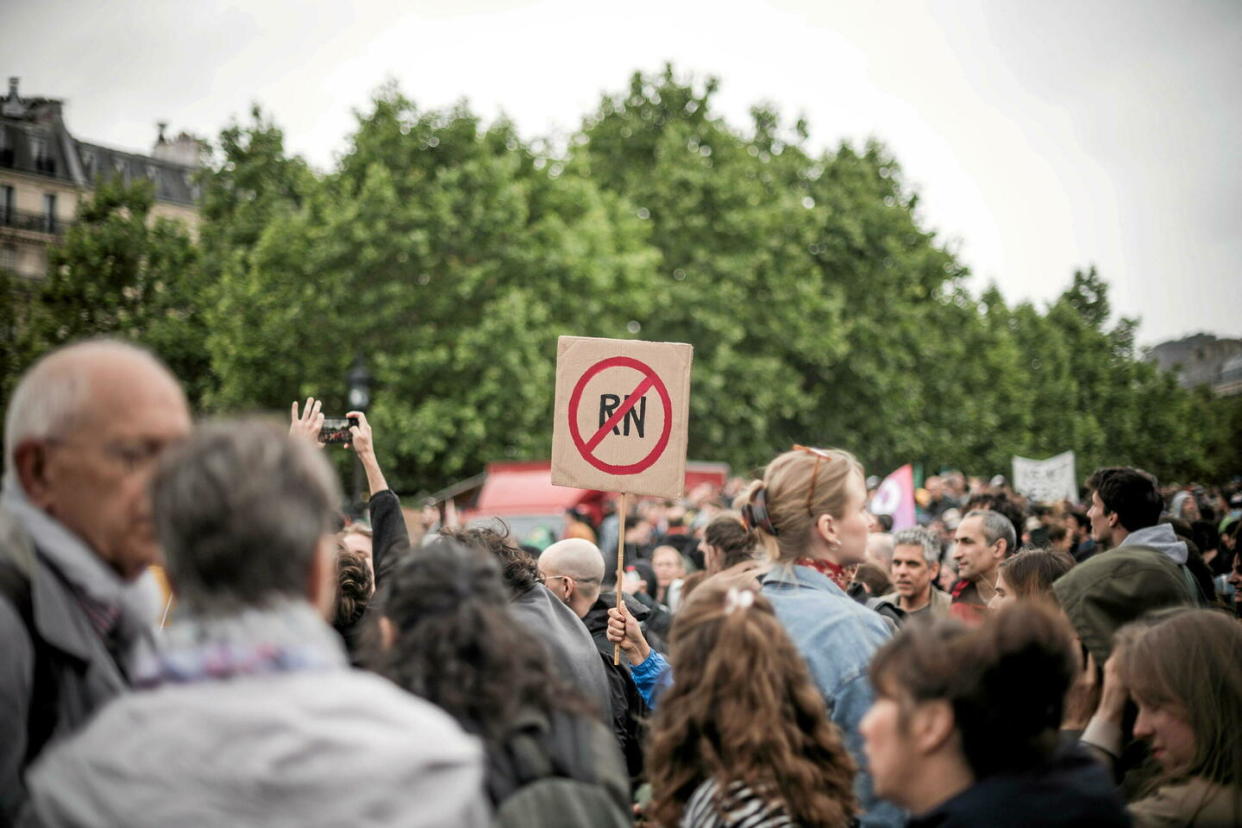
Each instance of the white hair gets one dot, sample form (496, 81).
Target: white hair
(54, 394)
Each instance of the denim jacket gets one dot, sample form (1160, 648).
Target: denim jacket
(837, 636)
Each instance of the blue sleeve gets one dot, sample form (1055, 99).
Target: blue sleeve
(853, 699)
(651, 677)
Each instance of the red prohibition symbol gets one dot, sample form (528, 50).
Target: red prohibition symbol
(650, 380)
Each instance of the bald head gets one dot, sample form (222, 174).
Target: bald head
(575, 557)
(880, 549)
(573, 569)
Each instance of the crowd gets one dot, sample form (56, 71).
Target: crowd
(191, 633)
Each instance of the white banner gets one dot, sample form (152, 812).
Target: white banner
(1046, 481)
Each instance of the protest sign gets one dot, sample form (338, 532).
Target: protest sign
(895, 496)
(621, 415)
(1046, 481)
(620, 419)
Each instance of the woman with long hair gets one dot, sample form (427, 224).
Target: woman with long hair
(450, 637)
(743, 740)
(1183, 669)
(964, 730)
(810, 513)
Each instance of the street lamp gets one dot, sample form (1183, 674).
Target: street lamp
(359, 379)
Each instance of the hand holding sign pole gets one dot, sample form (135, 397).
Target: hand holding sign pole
(620, 422)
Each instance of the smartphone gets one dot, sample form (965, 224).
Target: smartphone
(336, 429)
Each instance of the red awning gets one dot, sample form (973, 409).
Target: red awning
(524, 489)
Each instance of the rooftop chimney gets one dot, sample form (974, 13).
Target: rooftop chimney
(13, 104)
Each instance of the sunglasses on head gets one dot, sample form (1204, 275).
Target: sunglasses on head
(819, 454)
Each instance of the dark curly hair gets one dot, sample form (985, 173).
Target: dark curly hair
(354, 586)
(518, 569)
(457, 645)
(759, 720)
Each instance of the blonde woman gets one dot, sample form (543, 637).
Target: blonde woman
(809, 511)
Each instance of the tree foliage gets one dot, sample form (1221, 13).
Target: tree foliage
(452, 253)
(118, 273)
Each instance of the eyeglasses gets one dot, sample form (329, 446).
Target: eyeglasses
(819, 454)
(130, 456)
(546, 578)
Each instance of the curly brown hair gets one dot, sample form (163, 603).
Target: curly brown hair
(759, 720)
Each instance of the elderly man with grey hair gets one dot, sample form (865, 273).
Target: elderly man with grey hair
(573, 569)
(248, 713)
(880, 549)
(84, 428)
(916, 564)
(981, 541)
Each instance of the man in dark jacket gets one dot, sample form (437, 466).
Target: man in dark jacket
(572, 570)
(83, 430)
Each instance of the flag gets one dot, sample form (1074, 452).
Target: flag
(895, 497)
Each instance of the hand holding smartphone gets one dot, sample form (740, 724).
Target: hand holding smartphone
(336, 429)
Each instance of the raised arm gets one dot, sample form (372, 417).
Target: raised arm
(389, 536)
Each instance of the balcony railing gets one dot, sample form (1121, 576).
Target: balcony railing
(38, 222)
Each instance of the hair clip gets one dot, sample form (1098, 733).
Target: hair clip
(738, 599)
(755, 513)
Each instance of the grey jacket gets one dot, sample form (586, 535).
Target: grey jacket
(573, 652)
(81, 674)
(311, 748)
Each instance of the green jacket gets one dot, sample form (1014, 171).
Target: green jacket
(1108, 591)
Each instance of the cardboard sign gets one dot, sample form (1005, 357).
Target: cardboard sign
(622, 408)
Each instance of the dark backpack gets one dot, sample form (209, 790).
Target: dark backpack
(559, 772)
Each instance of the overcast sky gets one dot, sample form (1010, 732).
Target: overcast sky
(1042, 136)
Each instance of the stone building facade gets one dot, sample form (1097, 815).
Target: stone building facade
(45, 171)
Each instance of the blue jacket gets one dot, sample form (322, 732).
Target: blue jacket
(837, 636)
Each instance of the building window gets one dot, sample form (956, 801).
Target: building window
(8, 205)
(88, 161)
(8, 257)
(43, 160)
(49, 212)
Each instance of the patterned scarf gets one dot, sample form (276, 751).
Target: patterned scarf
(839, 575)
(286, 636)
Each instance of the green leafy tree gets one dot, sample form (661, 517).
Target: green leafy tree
(451, 256)
(118, 273)
(798, 277)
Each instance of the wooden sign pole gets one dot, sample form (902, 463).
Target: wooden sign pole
(622, 513)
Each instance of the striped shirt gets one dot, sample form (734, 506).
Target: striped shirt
(740, 807)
